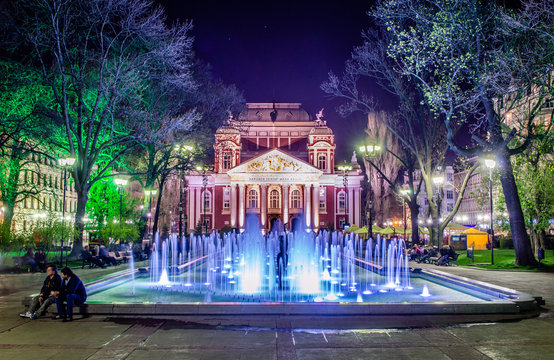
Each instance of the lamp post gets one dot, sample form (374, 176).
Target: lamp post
(367, 152)
(150, 194)
(345, 168)
(491, 163)
(204, 170)
(438, 180)
(121, 183)
(404, 193)
(64, 163)
(182, 150)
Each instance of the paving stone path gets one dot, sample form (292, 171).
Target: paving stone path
(392, 337)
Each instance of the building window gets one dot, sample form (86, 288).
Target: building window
(449, 207)
(341, 201)
(449, 177)
(226, 161)
(449, 194)
(252, 199)
(207, 196)
(226, 198)
(322, 162)
(295, 199)
(322, 198)
(274, 199)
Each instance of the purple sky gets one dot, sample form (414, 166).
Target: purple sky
(281, 50)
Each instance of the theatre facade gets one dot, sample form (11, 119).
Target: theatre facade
(278, 164)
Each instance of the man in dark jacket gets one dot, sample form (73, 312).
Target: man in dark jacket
(47, 296)
(72, 291)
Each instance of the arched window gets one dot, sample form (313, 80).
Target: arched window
(341, 201)
(207, 196)
(252, 199)
(295, 199)
(322, 162)
(274, 199)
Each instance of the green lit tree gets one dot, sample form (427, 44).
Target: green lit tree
(97, 56)
(22, 144)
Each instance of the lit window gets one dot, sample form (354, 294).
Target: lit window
(226, 161)
(322, 198)
(322, 162)
(274, 199)
(252, 199)
(207, 196)
(295, 199)
(226, 198)
(341, 201)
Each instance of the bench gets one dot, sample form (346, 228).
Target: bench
(454, 259)
(87, 261)
(118, 258)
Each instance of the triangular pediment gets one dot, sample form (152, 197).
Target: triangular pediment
(275, 161)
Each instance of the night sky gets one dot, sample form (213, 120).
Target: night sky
(281, 51)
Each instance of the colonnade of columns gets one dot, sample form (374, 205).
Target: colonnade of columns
(310, 204)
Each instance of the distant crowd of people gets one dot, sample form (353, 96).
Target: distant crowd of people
(428, 254)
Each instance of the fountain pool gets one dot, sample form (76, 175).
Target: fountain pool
(296, 272)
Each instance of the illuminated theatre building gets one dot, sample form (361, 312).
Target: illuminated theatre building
(282, 165)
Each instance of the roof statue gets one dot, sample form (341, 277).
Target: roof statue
(319, 119)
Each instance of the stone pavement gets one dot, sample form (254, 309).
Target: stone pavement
(257, 338)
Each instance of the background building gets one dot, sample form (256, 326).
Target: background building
(281, 165)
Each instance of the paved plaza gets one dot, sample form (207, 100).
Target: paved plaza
(384, 337)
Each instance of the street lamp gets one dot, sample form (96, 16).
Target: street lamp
(367, 152)
(438, 180)
(181, 151)
(405, 193)
(204, 169)
(65, 163)
(345, 168)
(121, 183)
(491, 163)
(150, 194)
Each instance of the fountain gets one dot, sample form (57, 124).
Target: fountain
(299, 272)
(298, 266)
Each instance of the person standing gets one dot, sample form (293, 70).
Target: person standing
(47, 296)
(72, 291)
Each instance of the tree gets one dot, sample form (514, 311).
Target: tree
(177, 112)
(419, 132)
(103, 206)
(96, 56)
(463, 56)
(21, 137)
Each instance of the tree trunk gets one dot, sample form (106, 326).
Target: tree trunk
(82, 198)
(414, 211)
(522, 244)
(158, 202)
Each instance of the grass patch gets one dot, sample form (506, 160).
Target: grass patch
(504, 259)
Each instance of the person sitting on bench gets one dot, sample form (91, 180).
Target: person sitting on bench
(87, 256)
(72, 291)
(47, 296)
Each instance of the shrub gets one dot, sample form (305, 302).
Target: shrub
(506, 243)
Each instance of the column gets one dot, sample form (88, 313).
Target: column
(350, 210)
(263, 205)
(285, 204)
(198, 205)
(241, 206)
(233, 205)
(307, 204)
(190, 214)
(357, 208)
(315, 206)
